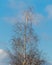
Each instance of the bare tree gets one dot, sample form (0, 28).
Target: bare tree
(24, 43)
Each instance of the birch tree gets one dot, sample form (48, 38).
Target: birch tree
(25, 43)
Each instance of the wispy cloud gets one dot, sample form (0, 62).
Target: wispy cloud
(11, 20)
(37, 18)
(12, 3)
(16, 4)
(20, 6)
(46, 36)
(49, 11)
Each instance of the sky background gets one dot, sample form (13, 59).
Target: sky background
(12, 10)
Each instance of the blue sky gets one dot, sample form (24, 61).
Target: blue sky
(11, 10)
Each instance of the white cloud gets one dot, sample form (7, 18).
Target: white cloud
(3, 56)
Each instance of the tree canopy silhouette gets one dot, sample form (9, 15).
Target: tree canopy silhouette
(25, 43)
